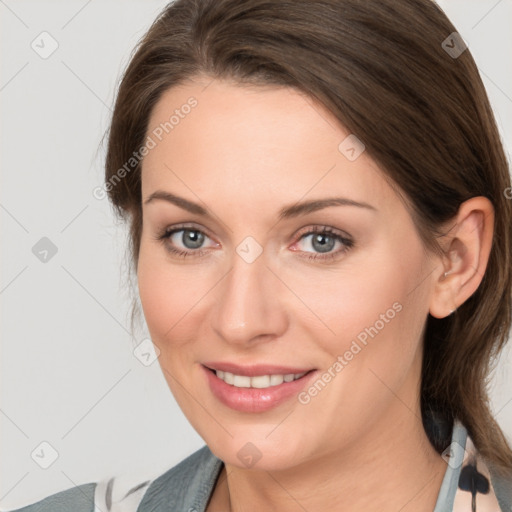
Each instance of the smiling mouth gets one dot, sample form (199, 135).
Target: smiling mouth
(257, 381)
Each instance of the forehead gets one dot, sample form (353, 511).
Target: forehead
(281, 118)
(253, 143)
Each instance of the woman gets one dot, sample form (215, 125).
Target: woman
(317, 200)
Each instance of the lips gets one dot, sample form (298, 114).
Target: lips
(254, 399)
(256, 369)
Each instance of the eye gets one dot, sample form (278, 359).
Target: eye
(189, 237)
(321, 239)
(324, 239)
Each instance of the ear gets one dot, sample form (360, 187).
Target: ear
(466, 247)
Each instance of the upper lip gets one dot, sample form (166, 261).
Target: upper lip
(255, 369)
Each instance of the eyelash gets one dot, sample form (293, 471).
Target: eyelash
(324, 230)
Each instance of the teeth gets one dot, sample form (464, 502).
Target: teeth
(241, 381)
(275, 380)
(259, 381)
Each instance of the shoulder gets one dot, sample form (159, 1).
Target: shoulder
(502, 486)
(478, 481)
(187, 485)
(75, 499)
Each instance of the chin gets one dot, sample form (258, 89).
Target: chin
(256, 449)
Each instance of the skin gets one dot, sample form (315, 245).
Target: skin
(243, 153)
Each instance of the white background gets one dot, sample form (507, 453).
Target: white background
(68, 375)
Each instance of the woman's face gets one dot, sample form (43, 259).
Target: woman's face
(263, 293)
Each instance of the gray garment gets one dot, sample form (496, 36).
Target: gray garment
(188, 486)
(76, 499)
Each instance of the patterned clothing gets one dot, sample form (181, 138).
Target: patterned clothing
(469, 485)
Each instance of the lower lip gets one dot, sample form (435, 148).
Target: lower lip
(255, 399)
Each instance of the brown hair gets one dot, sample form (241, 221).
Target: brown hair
(423, 114)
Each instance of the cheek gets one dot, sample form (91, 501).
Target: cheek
(175, 301)
(377, 300)
(166, 295)
(374, 311)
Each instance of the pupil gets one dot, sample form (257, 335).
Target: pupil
(323, 247)
(194, 237)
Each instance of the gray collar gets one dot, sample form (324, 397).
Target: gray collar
(454, 456)
(186, 487)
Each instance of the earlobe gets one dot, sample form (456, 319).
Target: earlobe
(444, 302)
(462, 268)
(446, 290)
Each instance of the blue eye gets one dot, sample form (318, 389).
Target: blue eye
(324, 240)
(191, 238)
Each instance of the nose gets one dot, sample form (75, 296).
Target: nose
(248, 306)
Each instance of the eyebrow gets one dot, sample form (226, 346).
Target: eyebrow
(286, 212)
